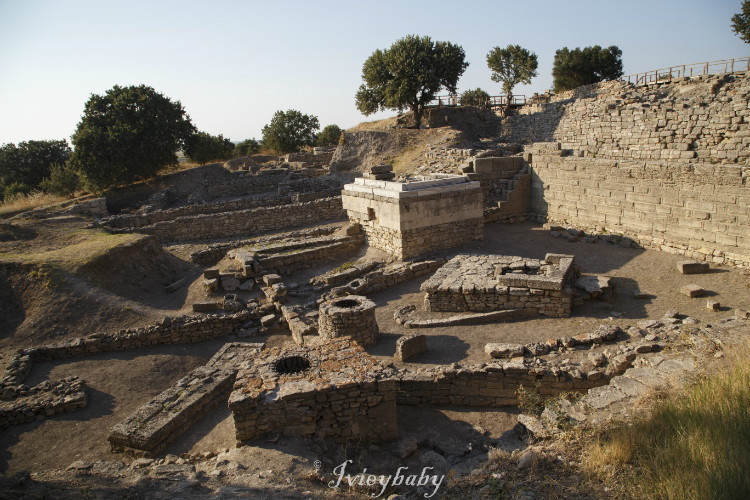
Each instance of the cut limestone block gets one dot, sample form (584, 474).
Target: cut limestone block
(713, 305)
(692, 291)
(692, 267)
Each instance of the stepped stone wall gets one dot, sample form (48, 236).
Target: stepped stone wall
(246, 222)
(666, 164)
(700, 119)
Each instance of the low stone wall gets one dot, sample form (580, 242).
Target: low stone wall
(250, 221)
(24, 404)
(304, 258)
(167, 416)
(353, 316)
(484, 283)
(382, 279)
(214, 253)
(329, 389)
(497, 383)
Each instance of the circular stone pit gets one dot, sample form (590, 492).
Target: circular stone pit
(352, 315)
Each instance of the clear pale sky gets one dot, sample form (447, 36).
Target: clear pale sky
(233, 64)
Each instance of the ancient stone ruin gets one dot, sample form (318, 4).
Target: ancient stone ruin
(414, 218)
(315, 282)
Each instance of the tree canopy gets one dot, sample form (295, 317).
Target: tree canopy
(202, 147)
(329, 136)
(246, 148)
(25, 165)
(573, 68)
(290, 131)
(741, 22)
(476, 97)
(128, 133)
(409, 74)
(511, 66)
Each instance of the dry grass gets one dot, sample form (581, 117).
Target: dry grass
(23, 203)
(694, 445)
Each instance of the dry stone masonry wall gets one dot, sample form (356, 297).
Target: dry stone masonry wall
(695, 209)
(250, 221)
(701, 119)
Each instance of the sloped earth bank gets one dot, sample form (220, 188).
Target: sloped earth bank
(457, 438)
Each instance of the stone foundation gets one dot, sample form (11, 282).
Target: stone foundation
(409, 219)
(329, 389)
(351, 315)
(482, 283)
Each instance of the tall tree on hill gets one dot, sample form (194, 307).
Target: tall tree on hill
(246, 148)
(329, 136)
(290, 131)
(409, 74)
(202, 147)
(26, 164)
(573, 68)
(511, 66)
(128, 133)
(476, 97)
(741, 22)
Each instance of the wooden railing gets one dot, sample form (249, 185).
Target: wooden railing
(495, 101)
(695, 69)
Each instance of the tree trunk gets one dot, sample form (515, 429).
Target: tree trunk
(417, 111)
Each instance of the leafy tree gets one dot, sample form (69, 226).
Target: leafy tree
(409, 75)
(511, 66)
(741, 22)
(128, 133)
(476, 97)
(63, 180)
(246, 148)
(10, 191)
(573, 68)
(329, 136)
(27, 163)
(202, 147)
(289, 131)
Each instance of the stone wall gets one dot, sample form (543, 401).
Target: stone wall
(702, 119)
(245, 222)
(329, 389)
(168, 415)
(700, 210)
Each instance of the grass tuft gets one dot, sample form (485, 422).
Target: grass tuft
(693, 445)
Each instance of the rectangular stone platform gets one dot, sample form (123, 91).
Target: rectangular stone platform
(483, 283)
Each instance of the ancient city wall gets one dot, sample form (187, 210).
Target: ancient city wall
(696, 209)
(702, 119)
(666, 164)
(246, 222)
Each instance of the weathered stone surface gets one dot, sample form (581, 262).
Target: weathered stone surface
(497, 350)
(408, 346)
(692, 267)
(692, 291)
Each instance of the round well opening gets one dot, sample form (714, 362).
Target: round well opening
(346, 303)
(291, 365)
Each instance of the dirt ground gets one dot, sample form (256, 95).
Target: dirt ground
(120, 382)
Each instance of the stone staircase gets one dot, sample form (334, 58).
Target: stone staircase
(506, 185)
